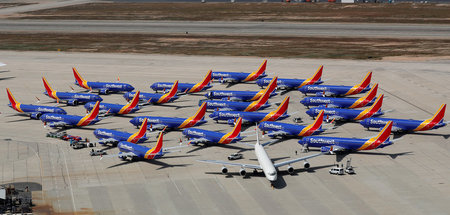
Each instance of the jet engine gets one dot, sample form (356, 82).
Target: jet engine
(35, 115)
(224, 170)
(72, 102)
(242, 172)
(306, 165)
(103, 91)
(290, 169)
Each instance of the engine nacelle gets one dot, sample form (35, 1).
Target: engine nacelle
(231, 121)
(290, 169)
(306, 165)
(324, 149)
(103, 91)
(242, 172)
(35, 115)
(224, 170)
(72, 102)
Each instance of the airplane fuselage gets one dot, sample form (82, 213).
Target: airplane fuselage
(36, 111)
(118, 135)
(182, 87)
(236, 76)
(345, 114)
(170, 122)
(140, 151)
(112, 108)
(236, 106)
(74, 98)
(400, 125)
(287, 83)
(211, 136)
(236, 95)
(153, 98)
(230, 116)
(334, 90)
(351, 144)
(106, 87)
(70, 120)
(291, 129)
(335, 102)
(266, 164)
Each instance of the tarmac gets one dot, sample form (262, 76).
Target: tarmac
(410, 177)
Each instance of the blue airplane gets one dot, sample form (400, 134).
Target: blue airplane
(339, 145)
(70, 98)
(157, 122)
(155, 98)
(33, 111)
(108, 136)
(238, 95)
(338, 90)
(279, 129)
(251, 117)
(293, 83)
(108, 108)
(259, 104)
(409, 125)
(185, 87)
(60, 120)
(341, 114)
(236, 77)
(138, 152)
(102, 87)
(196, 135)
(333, 102)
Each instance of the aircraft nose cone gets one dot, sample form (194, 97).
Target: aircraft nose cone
(304, 101)
(309, 112)
(130, 88)
(208, 95)
(302, 89)
(364, 122)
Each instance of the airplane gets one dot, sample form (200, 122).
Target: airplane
(259, 104)
(339, 145)
(338, 90)
(342, 114)
(71, 98)
(155, 98)
(196, 135)
(236, 77)
(293, 83)
(332, 102)
(185, 87)
(265, 163)
(407, 125)
(60, 120)
(275, 129)
(157, 122)
(239, 95)
(102, 87)
(108, 136)
(118, 109)
(138, 152)
(252, 117)
(2, 64)
(34, 111)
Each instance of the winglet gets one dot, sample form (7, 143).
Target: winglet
(81, 82)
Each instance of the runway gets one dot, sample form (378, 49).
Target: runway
(409, 177)
(425, 31)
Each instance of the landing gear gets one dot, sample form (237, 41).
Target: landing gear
(255, 171)
(305, 148)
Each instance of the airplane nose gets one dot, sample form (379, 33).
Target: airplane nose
(301, 89)
(309, 112)
(304, 101)
(364, 123)
(208, 95)
(213, 115)
(130, 88)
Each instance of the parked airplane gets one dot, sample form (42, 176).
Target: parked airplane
(70, 98)
(252, 117)
(33, 111)
(293, 83)
(108, 136)
(341, 114)
(60, 120)
(157, 122)
(333, 102)
(259, 104)
(2, 64)
(155, 98)
(265, 163)
(196, 135)
(185, 87)
(116, 108)
(275, 129)
(405, 125)
(239, 95)
(338, 90)
(138, 152)
(234, 77)
(102, 87)
(337, 144)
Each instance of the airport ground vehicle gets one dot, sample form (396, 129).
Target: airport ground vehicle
(235, 156)
(56, 134)
(95, 152)
(71, 137)
(337, 170)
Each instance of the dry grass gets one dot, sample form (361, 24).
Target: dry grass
(263, 46)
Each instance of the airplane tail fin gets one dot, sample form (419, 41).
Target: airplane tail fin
(439, 115)
(47, 87)
(81, 82)
(282, 109)
(206, 79)
(371, 94)
(135, 101)
(317, 124)
(236, 130)
(366, 81)
(11, 98)
(173, 90)
(200, 112)
(381, 137)
(95, 111)
(272, 86)
(142, 130)
(377, 104)
(317, 76)
(159, 144)
(261, 69)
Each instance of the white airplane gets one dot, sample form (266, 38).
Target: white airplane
(2, 64)
(265, 163)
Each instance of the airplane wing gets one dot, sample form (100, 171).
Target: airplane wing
(396, 129)
(297, 160)
(334, 117)
(156, 126)
(276, 133)
(171, 149)
(58, 124)
(127, 154)
(250, 166)
(195, 141)
(106, 141)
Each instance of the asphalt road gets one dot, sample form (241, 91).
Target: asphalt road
(408, 177)
(230, 28)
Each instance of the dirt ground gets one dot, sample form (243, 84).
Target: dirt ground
(293, 12)
(263, 46)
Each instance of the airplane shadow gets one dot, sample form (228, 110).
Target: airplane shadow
(399, 135)
(7, 78)
(3, 71)
(340, 157)
(162, 165)
(20, 120)
(219, 145)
